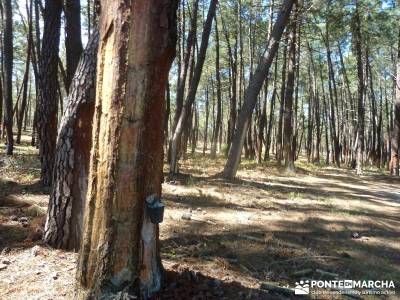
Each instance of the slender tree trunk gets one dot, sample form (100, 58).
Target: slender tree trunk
(73, 40)
(120, 248)
(1, 104)
(288, 112)
(360, 75)
(218, 127)
(7, 71)
(183, 118)
(26, 75)
(271, 113)
(48, 89)
(187, 59)
(395, 138)
(167, 113)
(317, 118)
(253, 90)
(333, 99)
(279, 148)
(206, 123)
(67, 200)
(232, 84)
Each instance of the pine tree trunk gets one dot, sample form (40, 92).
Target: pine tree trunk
(22, 109)
(206, 123)
(271, 114)
(218, 125)
(1, 107)
(395, 138)
(288, 123)
(120, 247)
(253, 90)
(360, 74)
(7, 71)
(232, 87)
(48, 89)
(73, 40)
(188, 56)
(279, 146)
(67, 200)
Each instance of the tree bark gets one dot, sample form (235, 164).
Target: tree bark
(218, 125)
(7, 71)
(253, 89)
(360, 75)
(206, 123)
(279, 148)
(67, 200)
(288, 112)
(73, 40)
(48, 89)
(120, 247)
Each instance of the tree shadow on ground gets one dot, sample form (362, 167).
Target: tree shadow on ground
(282, 255)
(9, 187)
(15, 236)
(185, 284)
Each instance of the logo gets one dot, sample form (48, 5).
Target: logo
(345, 287)
(302, 288)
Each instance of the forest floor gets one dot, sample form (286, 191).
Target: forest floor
(222, 239)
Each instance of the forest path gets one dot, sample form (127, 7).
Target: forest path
(270, 225)
(264, 226)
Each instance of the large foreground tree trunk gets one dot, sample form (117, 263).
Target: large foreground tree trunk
(48, 88)
(67, 200)
(7, 71)
(255, 84)
(120, 247)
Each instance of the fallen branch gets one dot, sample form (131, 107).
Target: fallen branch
(302, 272)
(278, 289)
(303, 257)
(325, 273)
(252, 238)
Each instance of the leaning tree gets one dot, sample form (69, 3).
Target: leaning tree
(67, 199)
(253, 89)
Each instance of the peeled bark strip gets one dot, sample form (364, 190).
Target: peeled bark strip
(48, 89)
(120, 248)
(67, 200)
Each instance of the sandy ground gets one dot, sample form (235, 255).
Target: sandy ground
(266, 226)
